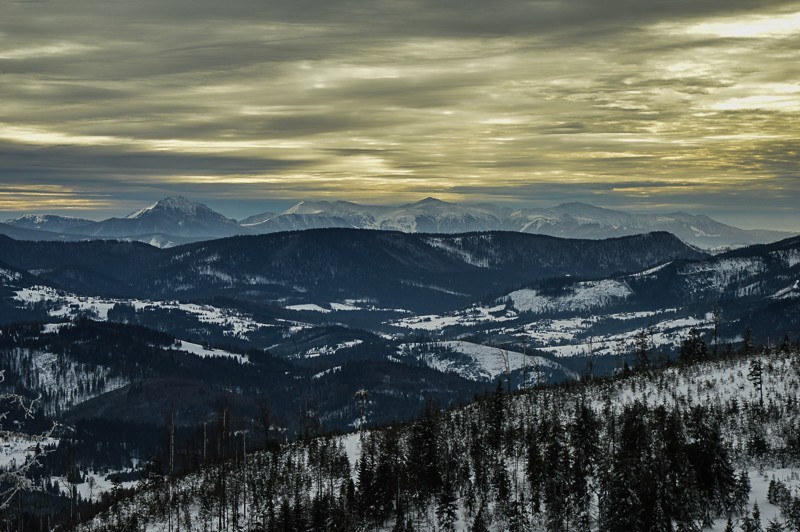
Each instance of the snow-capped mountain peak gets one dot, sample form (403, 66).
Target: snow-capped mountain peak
(174, 215)
(48, 222)
(171, 204)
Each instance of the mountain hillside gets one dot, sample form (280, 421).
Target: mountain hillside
(570, 220)
(399, 270)
(684, 448)
(170, 216)
(176, 220)
(49, 222)
(24, 233)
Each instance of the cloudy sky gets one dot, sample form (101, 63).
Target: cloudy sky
(250, 105)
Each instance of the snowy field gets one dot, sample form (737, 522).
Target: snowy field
(209, 352)
(481, 362)
(327, 350)
(16, 449)
(473, 316)
(588, 295)
(65, 305)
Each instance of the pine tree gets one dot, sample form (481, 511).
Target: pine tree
(748, 344)
(680, 498)
(741, 492)
(479, 523)
(424, 470)
(752, 523)
(556, 486)
(693, 347)
(583, 432)
(711, 462)
(774, 525)
(534, 466)
(756, 376)
(729, 525)
(446, 509)
(643, 342)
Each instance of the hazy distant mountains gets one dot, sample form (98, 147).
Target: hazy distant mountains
(176, 220)
(569, 220)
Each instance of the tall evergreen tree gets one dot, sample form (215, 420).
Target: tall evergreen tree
(583, 433)
(693, 347)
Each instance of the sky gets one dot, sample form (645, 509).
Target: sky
(252, 105)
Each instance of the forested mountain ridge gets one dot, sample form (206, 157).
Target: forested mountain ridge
(332, 329)
(681, 448)
(117, 372)
(392, 268)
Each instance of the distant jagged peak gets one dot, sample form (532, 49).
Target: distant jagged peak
(328, 207)
(39, 219)
(173, 205)
(430, 200)
(578, 205)
(309, 207)
(582, 208)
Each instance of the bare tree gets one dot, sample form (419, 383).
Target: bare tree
(504, 357)
(14, 479)
(716, 320)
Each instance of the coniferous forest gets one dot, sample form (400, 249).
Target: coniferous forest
(686, 447)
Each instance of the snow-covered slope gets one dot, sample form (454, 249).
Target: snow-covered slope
(49, 222)
(712, 409)
(179, 217)
(569, 220)
(485, 363)
(582, 296)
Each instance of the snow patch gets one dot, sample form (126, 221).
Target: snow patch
(206, 352)
(578, 297)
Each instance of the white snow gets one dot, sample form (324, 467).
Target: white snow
(716, 276)
(326, 350)
(790, 257)
(789, 292)
(581, 296)
(468, 317)
(205, 352)
(65, 305)
(417, 284)
(481, 362)
(312, 307)
(94, 489)
(17, 448)
(70, 305)
(328, 371)
(8, 275)
(343, 306)
(651, 271)
(451, 246)
(347, 306)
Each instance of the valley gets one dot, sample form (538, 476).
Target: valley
(298, 334)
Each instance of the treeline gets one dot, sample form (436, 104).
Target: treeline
(486, 467)
(656, 450)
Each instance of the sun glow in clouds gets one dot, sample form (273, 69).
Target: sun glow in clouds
(533, 102)
(758, 26)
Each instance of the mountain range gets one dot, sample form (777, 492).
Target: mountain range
(393, 269)
(116, 334)
(176, 220)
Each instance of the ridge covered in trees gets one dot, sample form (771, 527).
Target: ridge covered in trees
(669, 449)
